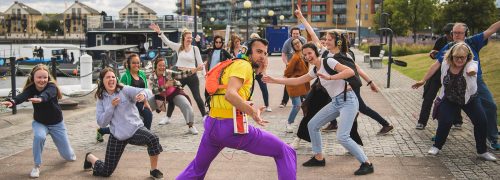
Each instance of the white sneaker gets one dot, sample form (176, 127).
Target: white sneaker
(35, 172)
(296, 143)
(433, 151)
(268, 109)
(289, 128)
(488, 156)
(165, 120)
(193, 130)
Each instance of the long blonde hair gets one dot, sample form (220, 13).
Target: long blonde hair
(458, 49)
(183, 37)
(31, 79)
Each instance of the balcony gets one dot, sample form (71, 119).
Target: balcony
(339, 10)
(339, 1)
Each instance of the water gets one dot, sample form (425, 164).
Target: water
(26, 50)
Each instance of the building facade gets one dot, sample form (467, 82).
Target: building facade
(136, 10)
(76, 18)
(2, 21)
(21, 19)
(323, 14)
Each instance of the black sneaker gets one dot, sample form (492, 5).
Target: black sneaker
(86, 164)
(314, 162)
(156, 174)
(386, 129)
(364, 169)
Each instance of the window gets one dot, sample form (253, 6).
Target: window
(318, 8)
(366, 16)
(304, 8)
(318, 18)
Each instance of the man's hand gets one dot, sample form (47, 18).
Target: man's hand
(256, 117)
(432, 54)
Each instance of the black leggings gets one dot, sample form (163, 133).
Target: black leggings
(194, 85)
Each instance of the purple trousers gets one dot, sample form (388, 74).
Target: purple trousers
(219, 134)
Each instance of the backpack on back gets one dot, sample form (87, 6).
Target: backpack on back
(342, 58)
(214, 76)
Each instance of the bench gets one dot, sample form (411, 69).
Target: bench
(366, 58)
(376, 62)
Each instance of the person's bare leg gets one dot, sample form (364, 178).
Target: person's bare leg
(92, 159)
(154, 162)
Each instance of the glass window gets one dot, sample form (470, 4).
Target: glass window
(318, 18)
(366, 16)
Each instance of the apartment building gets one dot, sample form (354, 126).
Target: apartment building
(21, 19)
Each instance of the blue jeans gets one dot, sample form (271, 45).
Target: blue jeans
(263, 88)
(346, 111)
(296, 102)
(448, 111)
(59, 136)
(490, 109)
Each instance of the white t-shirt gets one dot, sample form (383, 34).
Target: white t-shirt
(333, 87)
(184, 59)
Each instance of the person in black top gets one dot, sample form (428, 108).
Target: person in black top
(41, 90)
(432, 86)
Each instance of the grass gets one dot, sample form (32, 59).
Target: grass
(418, 64)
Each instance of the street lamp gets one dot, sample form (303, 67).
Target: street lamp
(262, 20)
(282, 18)
(212, 19)
(270, 13)
(247, 5)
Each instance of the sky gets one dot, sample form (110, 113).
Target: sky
(111, 7)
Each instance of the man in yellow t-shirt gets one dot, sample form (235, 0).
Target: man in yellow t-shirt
(219, 132)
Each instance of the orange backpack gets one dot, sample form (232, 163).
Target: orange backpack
(214, 76)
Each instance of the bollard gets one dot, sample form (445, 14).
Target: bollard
(13, 80)
(86, 69)
(54, 67)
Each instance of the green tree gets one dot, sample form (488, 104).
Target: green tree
(477, 14)
(54, 26)
(408, 15)
(42, 25)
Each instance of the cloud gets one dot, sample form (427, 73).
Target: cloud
(111, 7)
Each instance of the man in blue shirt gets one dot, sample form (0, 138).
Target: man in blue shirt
(476, 42)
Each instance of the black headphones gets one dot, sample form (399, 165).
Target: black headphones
(250, 44)
(466, 29)
(129, 58)
(313, 47)
(469, 51)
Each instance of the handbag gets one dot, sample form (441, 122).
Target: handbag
(435, 108)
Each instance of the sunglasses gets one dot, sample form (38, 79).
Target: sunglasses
(218, 42)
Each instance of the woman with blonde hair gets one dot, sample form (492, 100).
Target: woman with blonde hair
(459, 92)
(42, 91)
(188, 57)
(235, 46)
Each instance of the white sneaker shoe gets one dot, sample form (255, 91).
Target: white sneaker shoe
(193, 130)
(433, 151)
(296, 143)
(165, 120)
(488, 156)
(268, 109)
(289, 128)
(35, 172)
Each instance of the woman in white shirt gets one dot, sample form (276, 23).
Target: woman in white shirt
(188, 57)
(343, 105)
(459, 91)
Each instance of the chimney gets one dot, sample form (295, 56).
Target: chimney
(133, 1)
(76, 1)
(15, 2)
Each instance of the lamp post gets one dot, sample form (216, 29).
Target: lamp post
(282, 18)
(195, 18)
(212, 19)
(247, 5)
(262, 20)
(270, 13)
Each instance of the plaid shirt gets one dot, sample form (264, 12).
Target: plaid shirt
(168, 74)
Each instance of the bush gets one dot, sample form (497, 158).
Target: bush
(402, 49)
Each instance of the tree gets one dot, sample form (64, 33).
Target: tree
(42, 25)
(54, 26)
(406, 15)
(477, 14)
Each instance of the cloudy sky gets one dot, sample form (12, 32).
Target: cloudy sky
(111, 7)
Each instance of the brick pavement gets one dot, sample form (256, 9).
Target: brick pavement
(400, 105)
